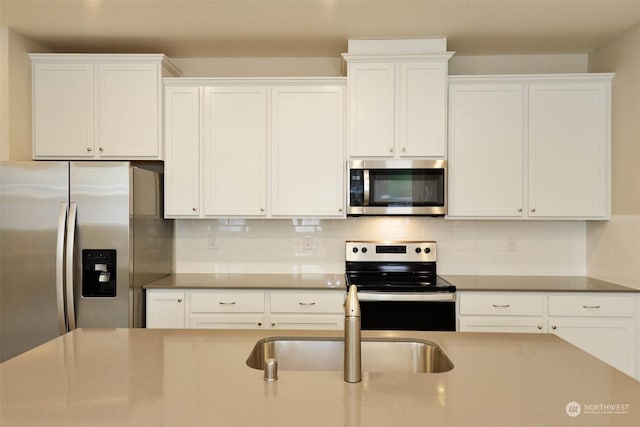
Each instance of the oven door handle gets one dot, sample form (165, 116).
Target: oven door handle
(413, 296)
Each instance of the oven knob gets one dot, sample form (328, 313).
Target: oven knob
(364, 250)
(354, 250)
(427, 250)
(418, 250)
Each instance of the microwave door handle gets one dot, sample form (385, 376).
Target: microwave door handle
(365, 177)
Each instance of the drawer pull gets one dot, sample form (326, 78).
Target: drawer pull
(227, 303)
(307, 303)
(591, 307)
(501, 305)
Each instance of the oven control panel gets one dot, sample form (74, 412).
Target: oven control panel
(414, 251)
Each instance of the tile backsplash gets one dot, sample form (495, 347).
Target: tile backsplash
(613, 250)
(317, 245)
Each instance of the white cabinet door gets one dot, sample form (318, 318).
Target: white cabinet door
(610, 340)
(486, 142)
(128, 112)
(421, 109)
(568, 149)
(182, 145)
(165, 309)
(235, 141)
(307, 156)
(63, 110)
(371, 109)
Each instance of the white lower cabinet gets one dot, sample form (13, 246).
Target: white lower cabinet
(602, 324)
(307, 309)
(501, 312)
(165, 309)
(245, 309)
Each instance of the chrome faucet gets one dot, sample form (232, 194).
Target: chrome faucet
(352, 343)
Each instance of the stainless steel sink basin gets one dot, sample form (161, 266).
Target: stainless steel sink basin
(399, 355)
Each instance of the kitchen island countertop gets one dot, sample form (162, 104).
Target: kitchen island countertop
(144, 377)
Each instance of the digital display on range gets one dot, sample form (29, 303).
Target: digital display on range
(395, 249)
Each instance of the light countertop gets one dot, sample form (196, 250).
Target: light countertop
(337, 281)
(249, 281)
(535, 284)
(145, 377)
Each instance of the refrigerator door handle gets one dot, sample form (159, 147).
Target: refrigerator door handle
(62, 223)
(71, 236)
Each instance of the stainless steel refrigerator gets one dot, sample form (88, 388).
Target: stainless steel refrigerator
(78, 241)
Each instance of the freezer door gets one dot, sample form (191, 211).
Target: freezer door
(33, 197)
(101, 193)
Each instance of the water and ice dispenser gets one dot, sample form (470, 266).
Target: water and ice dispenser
(98, 272)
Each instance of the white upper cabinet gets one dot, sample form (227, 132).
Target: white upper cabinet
(529, 146)
(486, 140)
(569, 145)
(263, 148)
(98, 106)
(235, 144)
(307, 151)
(397, 105)
(182, 146)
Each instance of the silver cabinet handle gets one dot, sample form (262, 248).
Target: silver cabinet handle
(227, 303)
(533, 209)
(591, 307)
(554, 327)
(501, 305)
(307, 303)
(404, 149)
(391, 149)
(261, 209)
(520, 210)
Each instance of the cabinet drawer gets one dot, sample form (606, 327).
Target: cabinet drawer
(501, 304)
(225, 301)
(307, 301)
(591, 305)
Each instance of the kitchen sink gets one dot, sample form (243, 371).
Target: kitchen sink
(396, 355)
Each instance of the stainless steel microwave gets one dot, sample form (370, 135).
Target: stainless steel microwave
(397, 187)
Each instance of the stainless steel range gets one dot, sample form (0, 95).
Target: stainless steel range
(398, 286)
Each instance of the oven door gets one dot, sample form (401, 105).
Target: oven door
(407, 311)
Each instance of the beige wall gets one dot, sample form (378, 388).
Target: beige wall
(613, 247)
(622, 56)
(4, 93)
(19, 111)
(331, 67)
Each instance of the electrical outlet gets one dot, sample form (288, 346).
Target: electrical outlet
(307, 243)
(512, 245)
